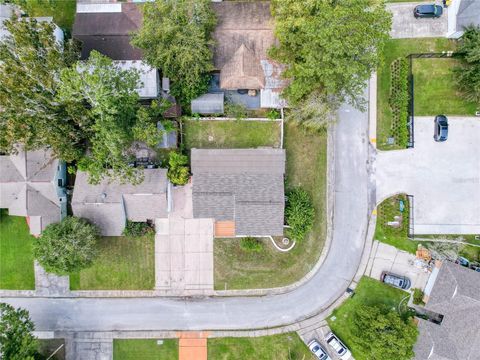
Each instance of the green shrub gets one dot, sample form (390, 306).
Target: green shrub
(418, 297)
(299, 213)
(178, 172)
(273, 114)
(399, 101)
(251, 244)
(237, 111)
(136, 229)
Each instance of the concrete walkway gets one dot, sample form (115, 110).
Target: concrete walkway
(49, 284)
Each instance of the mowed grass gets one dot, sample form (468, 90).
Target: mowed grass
(369, 292)
(145, 349)
(394, 49)
(306, 167)
(237, 134)
(436, 91)
(62, 11)
(284, 346)
(16, 255)
(123, 263)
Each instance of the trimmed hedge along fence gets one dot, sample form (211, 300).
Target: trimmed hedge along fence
(399, 100)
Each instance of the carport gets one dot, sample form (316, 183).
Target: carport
(443, 177)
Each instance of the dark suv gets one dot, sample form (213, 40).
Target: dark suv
(428, 11)
(441, 128)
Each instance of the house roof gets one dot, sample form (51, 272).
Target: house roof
(149, 80)
(242, 71)
(28, 187)
(468, 14)
(107, 28)
(110, 204)
(241, 185)
(455, 295)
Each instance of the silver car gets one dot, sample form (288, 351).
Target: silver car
(318, 350)
(340, 349)
(397, 281)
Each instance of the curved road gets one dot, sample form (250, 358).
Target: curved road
(351, 213)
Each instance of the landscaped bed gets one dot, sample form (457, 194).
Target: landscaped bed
(145, 349)
(284, 346)
(368, 292)
(123, 263)
(306, 167)
(16, 255)
(231, 134)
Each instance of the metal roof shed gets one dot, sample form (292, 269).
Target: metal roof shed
(208, 104)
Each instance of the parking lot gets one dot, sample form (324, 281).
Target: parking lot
(443, 177)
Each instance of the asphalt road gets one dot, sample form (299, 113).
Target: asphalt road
(350, 225)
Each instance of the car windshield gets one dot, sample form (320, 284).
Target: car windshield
(316, 348)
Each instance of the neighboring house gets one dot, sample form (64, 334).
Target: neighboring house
(242, 189)
(243, 35)
(462, 13)
(32, 184)
(110, 204)
(453, 292)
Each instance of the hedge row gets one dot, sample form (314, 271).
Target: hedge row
(399, 99)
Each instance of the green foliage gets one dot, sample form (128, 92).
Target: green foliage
(329, 46)
(178, 172)
(136, 229)
(16, 338)
(299, 213)
(66, 246)
(30, 65)
(468, 75)
(399, 100)
(146, 129)
(176, 37)
(383, 333)
(237, 111)
(273, 114)
(251, 244)
(418, 297)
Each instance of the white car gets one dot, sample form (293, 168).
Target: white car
(318, 350)
(340, 349)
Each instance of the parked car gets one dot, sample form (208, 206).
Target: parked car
(397, 281)
(340, 349)
(441, 128)
(462, 261)
(428, 11)
(318, 350)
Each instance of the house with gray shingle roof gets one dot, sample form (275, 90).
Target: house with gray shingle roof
(242, 189)
(110, 204)
(32, 185)
(455, 295)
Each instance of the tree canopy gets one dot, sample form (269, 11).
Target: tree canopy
(16, 338)
(299, 213)
(468, 75)
(66, 246)
(176, 37)
(383, 333)
(330, 46)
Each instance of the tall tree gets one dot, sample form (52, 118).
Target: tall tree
(176, 37)
(383, 333)
(16, 339)
(330, 46)
(468, 75)
(30, 63)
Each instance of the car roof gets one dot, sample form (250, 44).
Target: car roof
(426, 7)
(393, 279)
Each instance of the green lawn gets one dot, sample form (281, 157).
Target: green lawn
(306, 167)
(394, 49)
(16, 256)
(63, 11)
(123, 263)
(435, 89)
(218, 134)
(145, 349)
(368, 292)
(285, 347)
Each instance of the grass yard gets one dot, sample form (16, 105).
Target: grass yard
(285, 346)
(63, 11)
(306, 167)
(435, 89)
(145, 349)
(218, 134)
(368, 292)
(16, 255)
(394, 49)
(123, 263)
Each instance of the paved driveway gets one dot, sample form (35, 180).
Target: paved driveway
(404, 24)
(443, 177)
